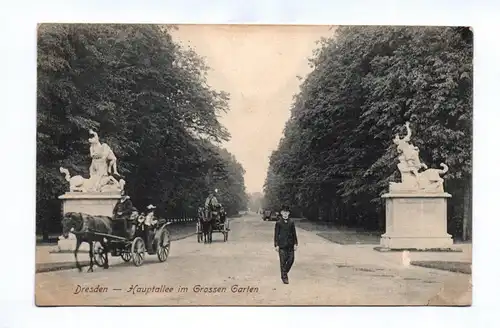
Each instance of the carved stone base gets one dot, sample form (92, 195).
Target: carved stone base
(416, 221)
(89, 203)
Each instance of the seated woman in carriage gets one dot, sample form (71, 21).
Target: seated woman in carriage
(148, 223)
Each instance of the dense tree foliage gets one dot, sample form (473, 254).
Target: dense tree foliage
(148, 98)
(336, 157)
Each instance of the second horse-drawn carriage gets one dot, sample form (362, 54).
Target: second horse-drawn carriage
(211, 220)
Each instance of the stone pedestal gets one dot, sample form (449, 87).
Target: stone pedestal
(416, 221)
(89, 203)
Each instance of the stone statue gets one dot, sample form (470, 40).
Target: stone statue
(110, 184)
(409, 166)
(410, 153)
(102, 169)
(103, 158)
(77, 182)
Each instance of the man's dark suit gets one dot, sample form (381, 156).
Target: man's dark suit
(122, 212)
(285, 238)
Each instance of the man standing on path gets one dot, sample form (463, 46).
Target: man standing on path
(285, 242)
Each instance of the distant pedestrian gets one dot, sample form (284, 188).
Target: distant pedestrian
(285, 242)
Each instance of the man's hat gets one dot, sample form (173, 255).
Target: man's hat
(285, 208)
(151, 207)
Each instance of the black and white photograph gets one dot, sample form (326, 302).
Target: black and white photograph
(253, 165)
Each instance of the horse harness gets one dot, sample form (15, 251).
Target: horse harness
(83, 226)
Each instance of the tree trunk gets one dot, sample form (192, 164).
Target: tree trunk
(321, 213)
(467, 214)
(209, 179)
(45, 231)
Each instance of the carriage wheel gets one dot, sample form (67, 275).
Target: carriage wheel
(163, 248)
(126, 256)
(99, 256)
(138, 251)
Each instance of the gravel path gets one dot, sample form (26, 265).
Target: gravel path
(245, 271)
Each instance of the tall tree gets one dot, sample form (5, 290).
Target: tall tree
(147, 97)
(336, 157)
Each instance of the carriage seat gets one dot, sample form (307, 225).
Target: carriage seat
(120, 223)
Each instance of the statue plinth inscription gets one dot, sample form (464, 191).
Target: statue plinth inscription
(96, 195)
(416, 207)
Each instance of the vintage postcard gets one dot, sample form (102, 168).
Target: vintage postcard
(205, 165)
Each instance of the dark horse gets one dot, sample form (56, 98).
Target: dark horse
(206, 221)
(82, 225)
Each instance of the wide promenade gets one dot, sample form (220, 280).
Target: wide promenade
(245, 271)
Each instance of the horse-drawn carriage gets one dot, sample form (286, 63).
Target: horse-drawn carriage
(210, 221)
(154, 239)
(130, 240)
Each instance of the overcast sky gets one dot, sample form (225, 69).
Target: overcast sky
(257, 66)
